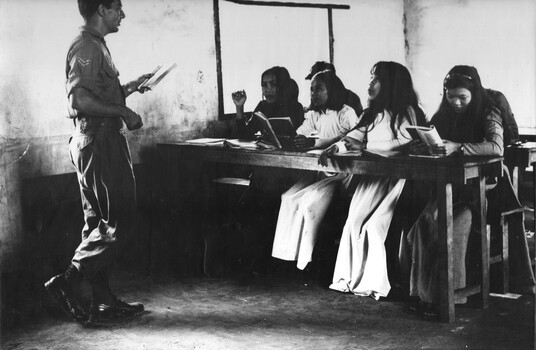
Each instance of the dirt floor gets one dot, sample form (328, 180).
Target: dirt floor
(275, 311)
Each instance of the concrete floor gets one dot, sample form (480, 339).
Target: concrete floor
(275, 311)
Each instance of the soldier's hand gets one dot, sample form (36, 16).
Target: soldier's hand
(132, 120)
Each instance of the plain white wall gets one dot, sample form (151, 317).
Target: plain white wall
(498, 37)
(372, 31)
(258, 37)
(255, 38)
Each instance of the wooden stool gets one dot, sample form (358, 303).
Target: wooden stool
(500, 229)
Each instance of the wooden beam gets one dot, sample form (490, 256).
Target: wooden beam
(330, 31)
(290, 4)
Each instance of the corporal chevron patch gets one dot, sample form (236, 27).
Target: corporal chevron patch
(82, 61)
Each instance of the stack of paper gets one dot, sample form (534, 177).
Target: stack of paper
(241, 144)
(208, 141)
(157, 75)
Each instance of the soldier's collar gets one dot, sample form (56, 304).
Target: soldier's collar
(92, 31)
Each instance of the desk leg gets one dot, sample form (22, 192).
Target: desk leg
(484, 241)
(534, 207)
(445, 225)
(534, 202)
(515, 179)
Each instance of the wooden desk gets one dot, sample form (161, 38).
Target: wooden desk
(444, 172)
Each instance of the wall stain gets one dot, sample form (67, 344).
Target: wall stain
(16, 107)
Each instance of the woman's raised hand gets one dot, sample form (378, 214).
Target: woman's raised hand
(239, 97)
(327, 153)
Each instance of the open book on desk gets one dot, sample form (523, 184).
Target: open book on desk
(158, 74)
(231, 143)
(429, 136)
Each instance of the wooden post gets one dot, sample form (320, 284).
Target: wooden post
(217, 41)
(331, 39)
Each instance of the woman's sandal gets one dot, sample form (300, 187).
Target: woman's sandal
(429, 312)
(413, 307)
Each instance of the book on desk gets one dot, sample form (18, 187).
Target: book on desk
(270, 133)
(232, 143)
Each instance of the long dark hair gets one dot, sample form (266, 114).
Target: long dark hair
(474, 116)
(396, 95)
(336, 90)
(287, 90)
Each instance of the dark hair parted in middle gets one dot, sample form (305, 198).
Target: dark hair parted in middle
(287, 89)
(336, 90)
(396, 95)
(467, 77)
(282, 80)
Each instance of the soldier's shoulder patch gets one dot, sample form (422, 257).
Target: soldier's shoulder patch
(82, 61)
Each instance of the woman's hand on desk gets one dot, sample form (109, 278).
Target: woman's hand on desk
(353, 144)
(418, 147)
(327, 153)
(447, 148)
(302, 142)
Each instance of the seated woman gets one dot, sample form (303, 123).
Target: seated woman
(304, 205)
(361, 266)
(257, 209)
(280, 98)
(469, 124)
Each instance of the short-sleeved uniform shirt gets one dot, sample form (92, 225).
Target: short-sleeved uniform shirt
(89, 65)
(329, 124)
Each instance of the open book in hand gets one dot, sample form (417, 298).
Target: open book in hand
(260, 123)
(428, 135)
(158, 74)
(278, 131)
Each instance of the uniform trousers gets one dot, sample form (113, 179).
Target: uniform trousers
(108, 191)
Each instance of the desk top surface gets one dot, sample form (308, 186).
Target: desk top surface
(458, 169)
(523, 154)
(451, 161)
